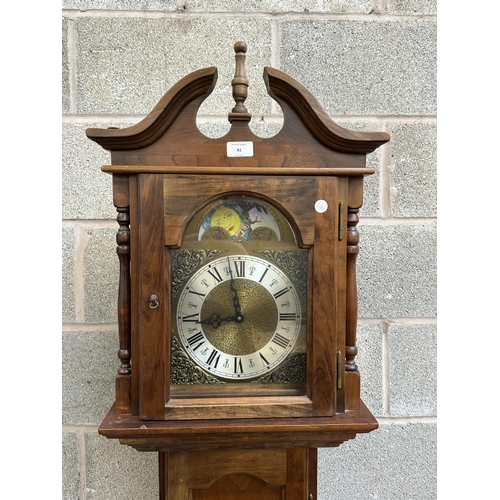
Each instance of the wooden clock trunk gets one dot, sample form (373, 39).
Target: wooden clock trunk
(237, 439)
(264, 474)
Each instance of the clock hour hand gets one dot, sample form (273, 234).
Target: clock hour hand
(215, 320)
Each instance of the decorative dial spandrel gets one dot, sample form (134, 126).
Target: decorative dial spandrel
(239, 286)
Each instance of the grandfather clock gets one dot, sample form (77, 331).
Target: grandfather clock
(237, 304)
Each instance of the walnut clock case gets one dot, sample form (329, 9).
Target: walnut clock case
(237, 297)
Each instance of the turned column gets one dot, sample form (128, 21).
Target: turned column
(123, 381)
(352, 394)
(351, 349)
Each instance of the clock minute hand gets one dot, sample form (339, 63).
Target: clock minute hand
(236, 299)
(216, 320)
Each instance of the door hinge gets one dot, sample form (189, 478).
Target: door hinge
(341, 221)
(339, 369)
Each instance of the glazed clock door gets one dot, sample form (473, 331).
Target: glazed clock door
(231, 322)
(239, 304)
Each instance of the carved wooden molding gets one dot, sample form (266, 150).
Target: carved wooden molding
(283, 87)
(150, 129)
(199, 85)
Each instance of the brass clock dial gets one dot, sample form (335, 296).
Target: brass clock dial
(239, 317)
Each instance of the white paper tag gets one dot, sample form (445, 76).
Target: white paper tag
(240, 148)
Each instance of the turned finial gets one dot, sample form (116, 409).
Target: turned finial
(240, 84)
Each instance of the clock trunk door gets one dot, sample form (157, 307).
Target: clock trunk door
(264, 474)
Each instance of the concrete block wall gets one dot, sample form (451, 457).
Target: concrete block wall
(372, 65)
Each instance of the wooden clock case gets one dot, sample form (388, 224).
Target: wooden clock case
(164, 170)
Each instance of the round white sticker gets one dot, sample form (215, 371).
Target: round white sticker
(321, 206)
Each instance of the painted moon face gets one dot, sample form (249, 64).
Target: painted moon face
(226, 218)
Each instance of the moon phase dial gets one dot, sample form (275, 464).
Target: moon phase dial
(239, 317)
